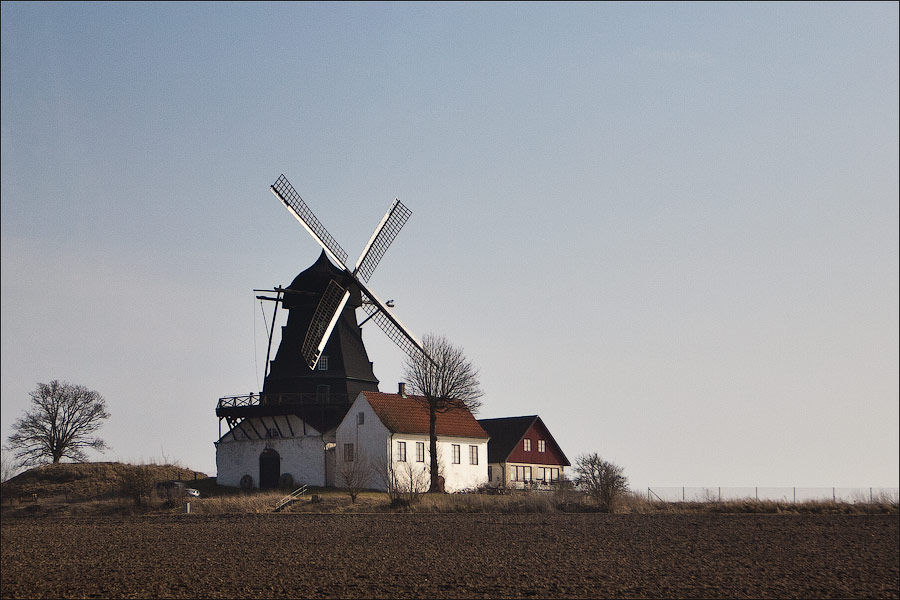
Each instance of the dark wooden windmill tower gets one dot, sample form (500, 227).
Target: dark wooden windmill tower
(321, 364)
(343, 368)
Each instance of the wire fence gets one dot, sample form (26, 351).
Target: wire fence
(852, 495)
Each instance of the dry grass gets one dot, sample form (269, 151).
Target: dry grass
(635, 504)
(97, 489)
(314, 501)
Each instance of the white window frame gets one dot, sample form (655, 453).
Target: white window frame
(525, 472)
(549, 474)
(456, 454)
(420, 452)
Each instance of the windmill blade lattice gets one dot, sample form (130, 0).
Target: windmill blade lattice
(394, 220)
(285, 192)
(324, 319)
(395, 331)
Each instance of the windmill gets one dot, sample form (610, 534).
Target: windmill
(335, 296)
(321, 365)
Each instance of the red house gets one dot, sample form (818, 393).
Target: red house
(522, 452)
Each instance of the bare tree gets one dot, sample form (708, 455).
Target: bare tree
(60, 424)
(602, 480)
(354, 475)
(444, 380)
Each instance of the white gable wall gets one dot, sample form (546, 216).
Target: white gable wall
(303, 456)
(369, 439)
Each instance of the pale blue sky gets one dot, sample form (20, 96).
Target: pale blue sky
(668, 229)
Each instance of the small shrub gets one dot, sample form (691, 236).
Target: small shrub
(138, 483)
(601, 480)
(404, 482)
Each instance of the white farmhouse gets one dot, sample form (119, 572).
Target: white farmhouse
(392, 429)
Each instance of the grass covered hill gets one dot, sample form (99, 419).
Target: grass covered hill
(87, 481)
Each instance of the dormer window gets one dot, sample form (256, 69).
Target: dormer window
(323, 363)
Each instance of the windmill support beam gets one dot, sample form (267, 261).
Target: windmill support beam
(252, 426)
(271, 333)
(240, 425)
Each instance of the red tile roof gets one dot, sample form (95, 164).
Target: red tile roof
(409, 414)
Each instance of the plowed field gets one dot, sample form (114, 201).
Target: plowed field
(452, 555)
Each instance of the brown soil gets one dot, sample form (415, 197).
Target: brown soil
(452, 555)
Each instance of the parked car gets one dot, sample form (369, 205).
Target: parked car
(192, 492)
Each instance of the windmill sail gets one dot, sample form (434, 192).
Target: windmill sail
(285, 192)
(324, 319)
(391, 224)
(391, 326)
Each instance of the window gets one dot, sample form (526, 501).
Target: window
(455, 454)
(527, 445)
(549, 474)
(473, 455)
(489, 473)
(360, 418)
(323, 363)
(401, 451)
(420, 451)
(522, 474)
(542, 446)
(348, 452)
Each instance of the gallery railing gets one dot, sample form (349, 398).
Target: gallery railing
(281, 399)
